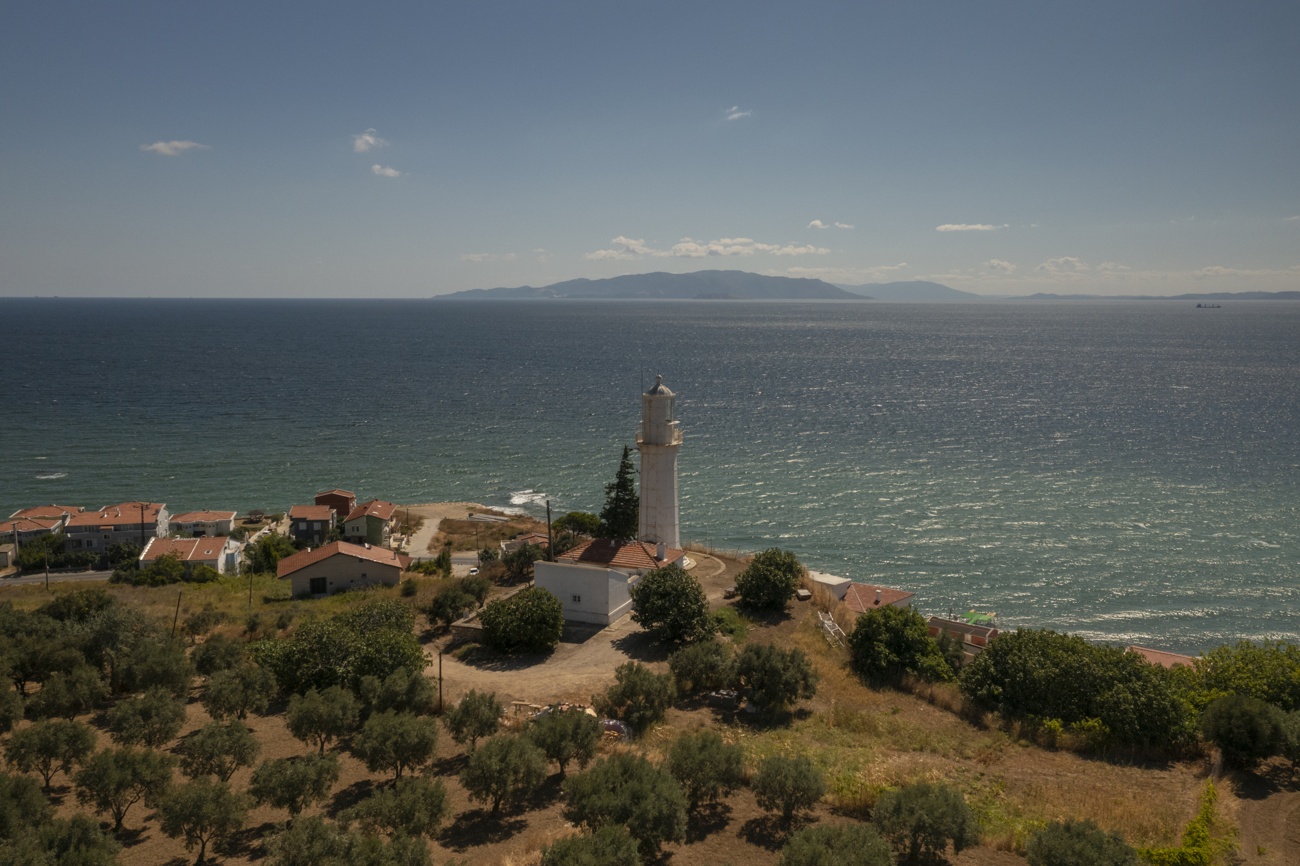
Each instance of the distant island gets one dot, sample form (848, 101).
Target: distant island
(912, 291)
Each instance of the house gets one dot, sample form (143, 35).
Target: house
(339, 566)
(219, 553)
(197, 524)
(974, 638)
(593, 581)
(22, 530)
(370, 523)
(341, 502)
(862, 597)
(127, 522)
(1161, 658)
(533, 539)
(60, 513)
(311, 524)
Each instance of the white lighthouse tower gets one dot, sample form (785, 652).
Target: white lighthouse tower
(658, 442)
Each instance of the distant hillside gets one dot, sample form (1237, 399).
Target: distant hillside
(912, 290)
(698, 286)
(1206, 296)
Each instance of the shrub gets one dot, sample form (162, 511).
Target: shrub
(202, 811)
(294, 783)
(770, 580)
(1078, 843)
(671, 605)
(1246, 730)
(476, 715)
(530, 621)
(506, 771)
(626, 789)
(843, 845)
(217, 653)
(888, 643)
(921, 820)
(704, 666)
(566, 735)
(397, 742)
(788, 785)
(611, 845)
(707, 768)
(217, 749)
(639, 697)
(772, 679)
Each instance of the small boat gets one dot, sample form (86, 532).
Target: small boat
(1209, 306)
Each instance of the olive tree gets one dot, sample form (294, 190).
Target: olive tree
(506, 771)
(217, 749)
(474, 716)
(49, 746)
(1078, 843)
(627, 789)
(707, 768)
(611, 845)
(114, 780)
(566, 735)
(414, 805)
(201, 811)
(294, 783)
(788, 785)
(842, 845)
(639, 697)
(150, 720)
(396, 742)
(921, 820)
(772, 679)
(318, 718)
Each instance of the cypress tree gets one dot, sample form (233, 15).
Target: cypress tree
(619, 518)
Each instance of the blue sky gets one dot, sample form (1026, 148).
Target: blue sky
(202, 149)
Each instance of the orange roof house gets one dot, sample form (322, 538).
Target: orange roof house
(216, 551)
(862, 597)
(594, 580)
(339, 566)
(126, 522)
(370, 522)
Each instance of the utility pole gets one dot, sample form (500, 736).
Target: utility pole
(550, 540)
(440, 682)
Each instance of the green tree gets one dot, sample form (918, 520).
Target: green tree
(506, 771)
(11, 710)
(414, 806)
(68, 695)
(1078, 843)
(1290, 747)
(202, 811)
(671, 605)
(788, 785)
(772, 679)
(76, 841)
(49, 746)
(620, 517)
(476, 715)
(164, 570)
(703, 667)
(397, 742)
(889, 643)
(530, 621)
(770, 580)
(263, 555)
(320, 717)
(217, 653)
(707, 768)
(921, 820)
(150, 720)
(519, 562)
(639, 697)
(307, 842)
(842, 845)
(1245, 729)
(156, 660)
(114, 780)
(449, 603)
(217, 749)
(294, 783)
(578, 522)
(404, 691)
(237, 691)
(566, 735)
(627, 789)
(22, 805)
(611, 845)
(1268, 671)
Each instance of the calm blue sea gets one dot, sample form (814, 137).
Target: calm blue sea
(1124, 470)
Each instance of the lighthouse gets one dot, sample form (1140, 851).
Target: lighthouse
(658, 441)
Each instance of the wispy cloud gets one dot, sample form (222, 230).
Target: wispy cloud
(172, 148)
(969, 227)
(368, 140)
(1292, 219)
(843, 225)
(384, 171)
(624, 248)
(488, 257)
(1000, 265)
(1063, 265)
(818, 224)
(735, 112)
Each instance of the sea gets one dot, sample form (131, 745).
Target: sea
(1124, 470)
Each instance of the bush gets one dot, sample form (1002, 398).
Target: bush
(294, 783)
(404, 691)
(217, 653)
(772, 679)
(506, 771)
(888, 643)
(397, 742)
(626, 789)
(707, 768)
(921, 820)
(217, 749)
(639, 697)
(844, 845)
(150, 720)
(202, 811)
(566, 735)
(671, 605)
(1246, 730)
(770, 580)
(374, 640)
(1078, 843)
(449, 604)
(476, 715)
(611, 845)
(320, 717)
(530, 621)
(789, 785)
(704, 666)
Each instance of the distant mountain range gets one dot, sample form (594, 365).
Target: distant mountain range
(914, 291)
(1206, 296)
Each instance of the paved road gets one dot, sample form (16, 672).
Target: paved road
(55, 578)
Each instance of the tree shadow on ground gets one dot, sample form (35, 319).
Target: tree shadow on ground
(250, 842)
(707, 819)
(451, 766)
(1268, 779)
(126, 837)
(766, 832)
(639, 646)
(479, 827)
(350, 796)
(580, 632)
(481, 658)
(547, 793)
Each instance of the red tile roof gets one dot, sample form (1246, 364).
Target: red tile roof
(369, 553)
(311, 512)
(201, 516)
(337, 492)
(28, 524)
(55, 511)
(614, 554)
(861, 597)
(374, 508)
(1162, 658)
(127, 513)
(186, 549)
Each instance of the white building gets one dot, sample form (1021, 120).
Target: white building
(594, 580)
(659, 441)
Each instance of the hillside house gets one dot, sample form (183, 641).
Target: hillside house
(311, 524)
(198, 524)
(341, 502)
(219, 553)
(593, 581)
(125, 523)
(370, 523)
(340, 566)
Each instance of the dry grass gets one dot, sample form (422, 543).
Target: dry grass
(476, 534)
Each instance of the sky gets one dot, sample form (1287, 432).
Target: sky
(280, 149)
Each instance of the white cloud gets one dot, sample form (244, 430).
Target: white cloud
(1292, 219)
(1220, 271)
(735, 112)
(1063, 265)
(843, 225)
(1112, 268)
(172, 148)
(367, 140)
(999, 265)
(384, 171)
(968, 227)
(488, 257)
(625, 248)
(817, 224)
